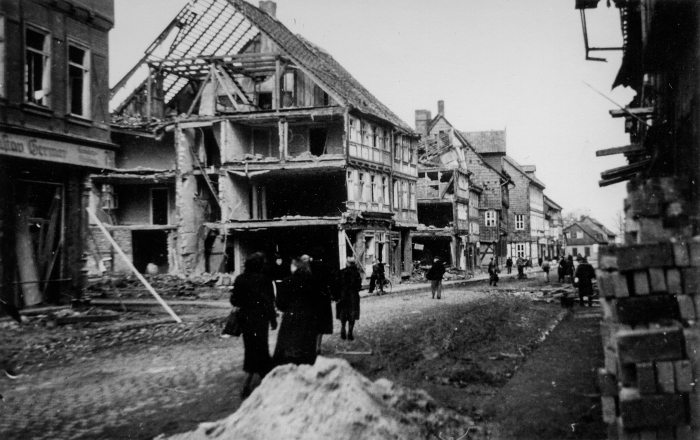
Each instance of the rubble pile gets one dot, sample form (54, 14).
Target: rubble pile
(194, 286)
(549, 294)
(331, 400)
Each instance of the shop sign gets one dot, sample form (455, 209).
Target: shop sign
(28, 147)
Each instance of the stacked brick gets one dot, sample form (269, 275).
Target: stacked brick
(650, 297)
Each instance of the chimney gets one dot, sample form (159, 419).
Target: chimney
(529, 169)
(423, 118)
(441, 107)
(269, 6)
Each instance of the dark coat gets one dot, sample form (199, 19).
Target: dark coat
(585, 274)
(509, 262)
(324, 277)
(299, 297)
(348, 306)
(436, 271)
(563, 267)
(254, 295)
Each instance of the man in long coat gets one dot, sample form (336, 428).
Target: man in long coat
(584, 279)
(347, 309)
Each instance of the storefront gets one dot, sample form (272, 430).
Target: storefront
(45, 189)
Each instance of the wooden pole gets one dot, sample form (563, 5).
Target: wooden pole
(131, 266)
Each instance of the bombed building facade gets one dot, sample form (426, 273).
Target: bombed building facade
(54, 132)
(238, 136)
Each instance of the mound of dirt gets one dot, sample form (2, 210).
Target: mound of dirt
(331, 400)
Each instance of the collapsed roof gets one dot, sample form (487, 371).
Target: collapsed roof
(222, 30)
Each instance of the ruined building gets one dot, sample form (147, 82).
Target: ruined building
(238, 136)
(463, 200)
(650, 286)
(54, 132)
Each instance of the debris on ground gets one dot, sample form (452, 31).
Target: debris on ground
(186, 287)
(332, 400)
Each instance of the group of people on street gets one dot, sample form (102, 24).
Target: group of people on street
(303, 295)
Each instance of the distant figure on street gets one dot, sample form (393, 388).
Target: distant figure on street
(584, 280)
(521, 268)
(562, 270)
(509, 264)
(377, 278)
(322, 275)
(252, 292)
(545, 269)
(539, 261)
(435, 274)
(347, 309)
(493, 273)
(279, 270)
(299, 298)
(570, 268)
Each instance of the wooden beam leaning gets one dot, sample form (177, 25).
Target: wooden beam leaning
(131, 265)
(641, 112)
(633, 148)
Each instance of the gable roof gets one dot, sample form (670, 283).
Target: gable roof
(595, 224)
(226, 27)
(595, 235)
(552, 203)
(484, 142)
(520, 168)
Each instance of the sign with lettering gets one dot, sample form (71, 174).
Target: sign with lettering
(28, 147)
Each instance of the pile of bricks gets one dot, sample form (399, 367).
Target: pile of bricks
(650, 296)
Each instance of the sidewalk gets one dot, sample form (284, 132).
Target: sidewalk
(555, 393)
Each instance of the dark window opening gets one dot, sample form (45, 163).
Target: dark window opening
(159, 206)
(261, 142)
(37, 67)
(150, 247)
(78, 81)
(265, 100)
(317, 141)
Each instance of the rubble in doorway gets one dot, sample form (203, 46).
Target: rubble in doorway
(332, 400)
(170, 286)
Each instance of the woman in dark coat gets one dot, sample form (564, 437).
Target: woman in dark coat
(347, 309)
(562, 269)
(299, 297)
(584, 279)
(323, 276)
(253, 293)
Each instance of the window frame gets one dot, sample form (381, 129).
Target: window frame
(519, 222)
(579, 235)
(87, 79)
(167, 199)
(47, 55)
(490, 218)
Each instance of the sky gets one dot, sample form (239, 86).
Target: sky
(514, 65)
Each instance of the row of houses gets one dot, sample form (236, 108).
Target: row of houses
(476, 203)
(231, 135)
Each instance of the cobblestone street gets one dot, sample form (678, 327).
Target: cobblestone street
(143, 390)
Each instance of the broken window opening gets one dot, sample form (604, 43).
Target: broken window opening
(150, 247)
(265, 100)
(317, 141)
(79, 81)
(37, 69)
(289, 90)
(160, 206)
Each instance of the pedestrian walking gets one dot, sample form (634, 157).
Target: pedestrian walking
(299, 297)
(253, 294)
(347, 309)
(435, 274)
(584, 281)
(521, 268)
(562, 269)
(324, 278)
(493, 272)
(545, 269)
(509, 264)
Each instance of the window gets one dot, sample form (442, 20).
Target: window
(366, 188)
(376, 137)
(361, 195)
(396, 194)
(579, 234)
(78, 81)
(519, 222)
(404, 195)
(574, 251)
(354, 130)
(376, 189)
(587, 251)
(37, 68)
(159, 206)
(351, 186)
(3, 92)
(567, 234)
(387, 140)
(289, 90)
(490, 218)
(520, 250)
(412, 189)
(317, 141)
(397, 147)
(385, 187)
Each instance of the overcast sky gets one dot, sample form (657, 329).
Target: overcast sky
(498, 64)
